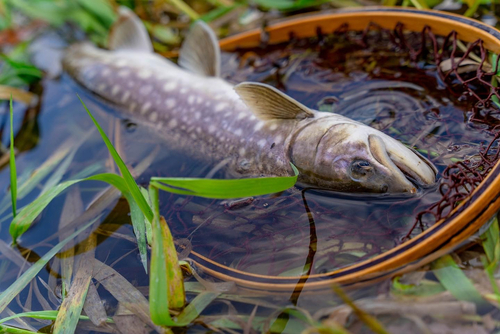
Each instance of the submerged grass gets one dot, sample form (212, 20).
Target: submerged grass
(166, 285)
(166, 279)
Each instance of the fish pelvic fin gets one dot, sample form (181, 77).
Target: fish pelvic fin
(268, 103)
(128, 33)
(200, 52)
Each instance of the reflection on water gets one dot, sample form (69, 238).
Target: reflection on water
(269, 235)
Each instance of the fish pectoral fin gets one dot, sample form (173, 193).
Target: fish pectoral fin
(268, 103)
(128, 33)
(200, 52)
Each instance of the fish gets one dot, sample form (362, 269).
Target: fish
(251, 129)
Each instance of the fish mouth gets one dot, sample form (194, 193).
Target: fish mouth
(408, 169)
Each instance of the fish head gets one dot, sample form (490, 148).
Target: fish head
(349, 156)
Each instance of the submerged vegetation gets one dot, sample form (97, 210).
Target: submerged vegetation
(459, 291)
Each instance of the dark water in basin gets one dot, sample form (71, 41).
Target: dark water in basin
(268, 235)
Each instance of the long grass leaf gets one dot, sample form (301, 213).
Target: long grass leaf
(366, 318)
(15, 288)
(197, 305)
(224, 189)
(43, 315)
(71, 308)
(27, 215)
(132, 186)
(12, 163)
(455, 281)
(491, 242)
(138, 223)
(166, 287)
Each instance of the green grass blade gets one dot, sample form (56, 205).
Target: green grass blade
(12, 163)
(13, 290)
(196, 306)
(149, 228)
(454, 280)
(224, 189)
(27, 215)
(491, 242)
(138, 223)
(132, 186)
(44, 315)
(166, 289)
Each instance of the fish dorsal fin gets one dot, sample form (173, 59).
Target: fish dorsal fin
(128, 33)
(200, 52)
(268, 103)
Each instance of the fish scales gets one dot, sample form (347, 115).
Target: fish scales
(204, 118)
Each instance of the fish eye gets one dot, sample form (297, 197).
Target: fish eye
(360, 167)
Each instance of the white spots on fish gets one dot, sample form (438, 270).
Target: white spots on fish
(173, 123)
(241, 115)
(183, 90)
(242, 151)
(145, 107)
(278, 139)
(220, 106)
(144, 73)
(258, 125)
(130, 84)
(132, 106)
(125, 96)
(153, 117)
(101, 87)
(197, 115)
(123, 73)
(193, 135)
(170, 102)
(106, 72)
(270, 154)
(91, 74)
(273, 126)
(211, 128)
(261, 143)
(169, 86)
(199, 100)
(115, 90)
(184, 118)
(183, 127)
(145, 90)
(121, 63)
(190, 99)
(238, 132)
(198, 130)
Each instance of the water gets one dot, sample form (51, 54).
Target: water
(268, 235)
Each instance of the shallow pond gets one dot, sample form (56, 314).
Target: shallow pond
(268, 235)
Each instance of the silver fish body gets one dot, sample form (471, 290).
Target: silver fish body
(255, 130)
